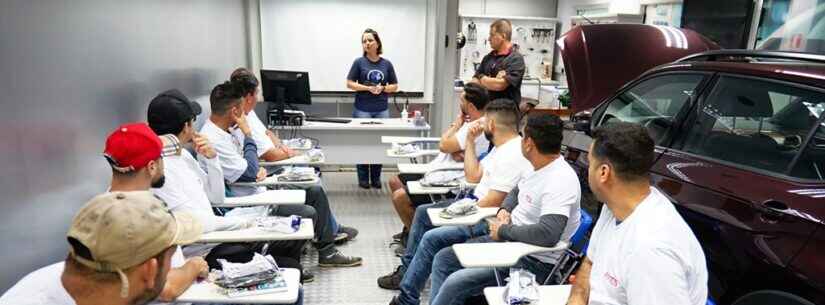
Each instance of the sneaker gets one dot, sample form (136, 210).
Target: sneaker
(392, 281)
(340, 237)
(395, 301)
(364, 185)
(336, 259)
(350, 232)
(399, 251)
(401, 236)
(307, 277)
(376, 185)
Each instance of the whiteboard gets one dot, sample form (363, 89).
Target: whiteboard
(323, 37)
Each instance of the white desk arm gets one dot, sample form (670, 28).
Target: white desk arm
(499, 254)
(408, 140)
(273, 197)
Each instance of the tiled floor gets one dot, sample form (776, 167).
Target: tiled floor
(371, 212)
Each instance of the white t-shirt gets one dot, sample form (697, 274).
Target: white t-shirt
(552, 190)
(652, 257)
(461, 136)
(259, 133)
(229, 147)
(188, 188)
(503, 168)
(41, 287)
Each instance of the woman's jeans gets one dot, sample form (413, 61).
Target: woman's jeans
(369, 173)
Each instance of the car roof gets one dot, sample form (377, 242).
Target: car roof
(807, 73)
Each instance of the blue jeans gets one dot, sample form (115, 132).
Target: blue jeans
(452, 284)
(369, 173)
(423, 243)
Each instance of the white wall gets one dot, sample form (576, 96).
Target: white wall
(73, 70)
(522, 8)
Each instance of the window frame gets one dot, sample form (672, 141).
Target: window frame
(678, 119)
(697, 111)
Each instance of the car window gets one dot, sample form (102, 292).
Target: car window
(811, 164)
(754, 123)
(653, 103)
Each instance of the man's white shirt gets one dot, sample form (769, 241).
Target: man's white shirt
(502, 168)
(230, 155)
(652, 257)
(552, 190)
(259, 133)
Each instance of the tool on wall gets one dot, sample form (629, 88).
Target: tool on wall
(471, 33)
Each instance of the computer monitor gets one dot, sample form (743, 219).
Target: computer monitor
(285, 87)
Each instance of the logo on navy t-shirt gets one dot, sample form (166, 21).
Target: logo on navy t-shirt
(375, 76)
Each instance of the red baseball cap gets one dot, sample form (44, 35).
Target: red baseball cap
(131, 146)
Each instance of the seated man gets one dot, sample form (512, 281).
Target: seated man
(238, 158)
(192, 189)
(269, 145)
(502, 169)
(641, 251)
(452, 145)
(542, 210)
(114, 257)
(135, 154)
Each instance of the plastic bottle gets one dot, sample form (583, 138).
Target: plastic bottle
(404, 114)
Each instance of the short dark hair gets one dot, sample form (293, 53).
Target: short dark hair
(546, 131)
(377, 39)
(245, 80)
(503, 27)
(224, 96)
(477, 95)
(627, 147)
(169, 127)
(505, 112)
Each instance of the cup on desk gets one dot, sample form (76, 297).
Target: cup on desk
(418, 119)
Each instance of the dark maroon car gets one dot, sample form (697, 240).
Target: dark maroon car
(740, 149)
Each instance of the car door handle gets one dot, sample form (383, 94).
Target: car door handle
(773, 207)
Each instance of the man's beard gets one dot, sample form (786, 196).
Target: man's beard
(159, 182)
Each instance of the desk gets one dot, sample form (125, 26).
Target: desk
(254, 234)
(206, 292)
(416, 188)
(301, 159)
(548, 295)
(460, 221)
(356, 143)
(273, 181)
(416, 168)
(408, 140)
(498, 254)
(274, 197)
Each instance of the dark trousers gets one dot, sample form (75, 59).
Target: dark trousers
(369, 173)
(317, 209)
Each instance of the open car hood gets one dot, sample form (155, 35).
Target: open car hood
(599, 59)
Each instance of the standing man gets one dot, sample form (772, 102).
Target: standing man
(641, 251)
(114, 256)
(502, 70)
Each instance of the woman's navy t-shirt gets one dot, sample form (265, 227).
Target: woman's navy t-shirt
(370, 73)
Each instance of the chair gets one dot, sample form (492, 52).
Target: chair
(570, 258)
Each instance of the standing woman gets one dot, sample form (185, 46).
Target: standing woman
(372, 77)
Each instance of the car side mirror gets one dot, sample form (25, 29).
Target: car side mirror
(581, 121)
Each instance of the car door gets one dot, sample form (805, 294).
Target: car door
(728, 172)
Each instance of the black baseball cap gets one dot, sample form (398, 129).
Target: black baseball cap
(171, 108)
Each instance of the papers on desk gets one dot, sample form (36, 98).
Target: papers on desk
(471, 219)
(277, 180)
(548, 295)
(302, 159)
(256, 234)
(408, 168)
(298, 143)
(208, 292)
(419, 153)
(416, 188)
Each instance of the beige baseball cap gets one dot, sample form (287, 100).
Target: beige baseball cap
(119, 230)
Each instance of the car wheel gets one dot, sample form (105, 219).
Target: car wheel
(771, 297)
